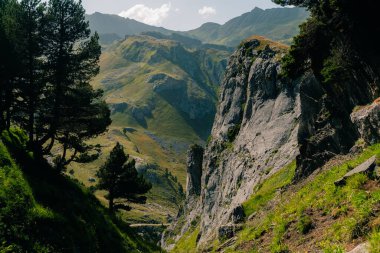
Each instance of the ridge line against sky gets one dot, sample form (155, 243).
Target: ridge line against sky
(176, 14)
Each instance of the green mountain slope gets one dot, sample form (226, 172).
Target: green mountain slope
(279, 24)
(162, 89)
(42, 211)
(162, 95)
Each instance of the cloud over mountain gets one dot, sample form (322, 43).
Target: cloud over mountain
(147, 15)
(207, 11)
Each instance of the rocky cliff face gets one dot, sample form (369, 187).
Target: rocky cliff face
(326, 127)
(367, 121)
(264, 123)
(255, 133)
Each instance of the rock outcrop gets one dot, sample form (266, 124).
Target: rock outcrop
(255, 133)
(326, 128)
(263, 123)
(367, 120)
(368, 167)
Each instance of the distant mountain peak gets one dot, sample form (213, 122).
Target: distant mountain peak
(279, 24)
(257, 9)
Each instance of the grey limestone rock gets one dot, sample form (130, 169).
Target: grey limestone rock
(264, 122)
(365, 168)
(255, 131)
(361, 248)
(367, 120)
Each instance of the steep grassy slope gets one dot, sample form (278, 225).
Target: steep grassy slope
(41, 211)
(279, 24)
(313, 216)
(162, 96)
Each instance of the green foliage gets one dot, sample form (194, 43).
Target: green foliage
(16, 202)
(336, 67)
(374, 241)
(277, 246)
(305, 224)
(46, 89)
(332, 40)
(233, 132)
(311, 43)
(15, 137)
(188, 242)
(41, 211)
(266, 191)
(120, 178)
(352, 206)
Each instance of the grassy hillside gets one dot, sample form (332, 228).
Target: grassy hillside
(42, 211)
(279, 24)
(313, 215)
(162, 95)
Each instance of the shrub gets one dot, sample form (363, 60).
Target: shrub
(305, 224)
(232, 132)
(375, 242)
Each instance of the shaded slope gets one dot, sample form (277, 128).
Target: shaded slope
(41, 211)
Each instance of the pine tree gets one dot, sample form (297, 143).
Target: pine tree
(73, 110)
(31, 84)
(9, 62)
(120, 178)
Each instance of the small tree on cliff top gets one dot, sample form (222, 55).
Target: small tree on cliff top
(120, 178)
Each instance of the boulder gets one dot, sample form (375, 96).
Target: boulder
(365, 168)
(367, 120)
(361, 248)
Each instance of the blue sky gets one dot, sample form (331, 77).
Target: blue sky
(176, 14)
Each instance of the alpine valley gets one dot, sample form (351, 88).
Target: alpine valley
(162, 87)
(257, 135)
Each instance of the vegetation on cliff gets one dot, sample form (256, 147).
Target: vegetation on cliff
(338, 44)
(315, 215)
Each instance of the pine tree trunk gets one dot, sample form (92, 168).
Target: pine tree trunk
(31, 128)
(111, 204)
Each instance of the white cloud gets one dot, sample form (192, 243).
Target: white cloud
(207, 11)
(146, 14)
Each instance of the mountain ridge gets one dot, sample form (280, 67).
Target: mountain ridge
(283, 25)
(279, 24)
